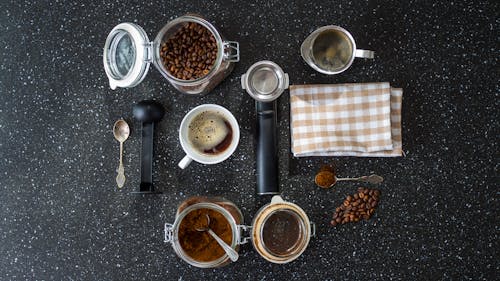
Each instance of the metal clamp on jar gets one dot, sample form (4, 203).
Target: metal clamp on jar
(128, 54)
(265, 81)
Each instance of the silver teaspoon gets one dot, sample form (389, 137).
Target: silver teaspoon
(331, 179)
(121, 131)
(231, 253)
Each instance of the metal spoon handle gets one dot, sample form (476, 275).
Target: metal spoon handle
(231, 253)
(369, 179)
(372, 179)
(120, 178)
(121, 152)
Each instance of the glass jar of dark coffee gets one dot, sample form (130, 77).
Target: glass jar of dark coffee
(281, 231)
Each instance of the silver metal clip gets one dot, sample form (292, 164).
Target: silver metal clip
(231, 51)
(149, 51)
(169, 233)
(241, 238)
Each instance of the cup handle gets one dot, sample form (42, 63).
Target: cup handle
(367, 54)
(185, 162)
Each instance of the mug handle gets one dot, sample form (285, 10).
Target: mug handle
(367, 54)
(185, 162)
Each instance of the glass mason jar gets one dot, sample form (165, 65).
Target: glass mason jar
(224, 207)
(128, 54)
(280, 231)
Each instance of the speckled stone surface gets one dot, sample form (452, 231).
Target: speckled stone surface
(62, 217)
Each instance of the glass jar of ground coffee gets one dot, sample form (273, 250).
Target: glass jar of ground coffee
(197, 247)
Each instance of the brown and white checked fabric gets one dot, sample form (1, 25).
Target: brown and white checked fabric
(362, 119)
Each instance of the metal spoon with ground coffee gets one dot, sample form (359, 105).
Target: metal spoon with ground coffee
(326, 178)
(231, 253)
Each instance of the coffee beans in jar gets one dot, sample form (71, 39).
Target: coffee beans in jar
(190, 53)
(359, 206)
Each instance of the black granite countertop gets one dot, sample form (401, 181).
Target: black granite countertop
(62, 217)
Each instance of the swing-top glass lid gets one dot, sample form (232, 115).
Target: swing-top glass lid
(126, 55)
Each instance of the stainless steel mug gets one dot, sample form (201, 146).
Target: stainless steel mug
(331, 50)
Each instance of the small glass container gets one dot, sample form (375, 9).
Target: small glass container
(228, 210)
(128, 54)
(280, 231)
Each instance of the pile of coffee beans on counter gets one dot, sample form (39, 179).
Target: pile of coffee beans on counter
(359, 206)
(190, 53)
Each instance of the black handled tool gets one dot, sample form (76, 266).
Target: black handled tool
(267, 148)
(148, 112)
(265, 81)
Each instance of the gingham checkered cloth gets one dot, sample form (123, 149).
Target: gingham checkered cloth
(362, 119)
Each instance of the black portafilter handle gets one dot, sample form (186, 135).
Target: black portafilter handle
(267, 148)
(148, 112)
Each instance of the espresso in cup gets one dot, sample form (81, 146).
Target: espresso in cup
(210, 133)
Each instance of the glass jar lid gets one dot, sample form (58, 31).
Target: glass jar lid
(264, 81)
(127, 53)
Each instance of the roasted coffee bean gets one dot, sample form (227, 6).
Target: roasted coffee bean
(190, 53)
(356, 207)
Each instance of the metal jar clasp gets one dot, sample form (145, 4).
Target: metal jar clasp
(169, 233)
(231, 51)
(242, 229)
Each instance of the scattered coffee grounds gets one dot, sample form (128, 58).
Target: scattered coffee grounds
(359, 206)
(190, 53)
(199, 245)
(325, 178)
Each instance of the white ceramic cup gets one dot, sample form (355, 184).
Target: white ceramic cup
(193, 153)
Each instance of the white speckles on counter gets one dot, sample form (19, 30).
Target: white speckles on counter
(62, 216)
